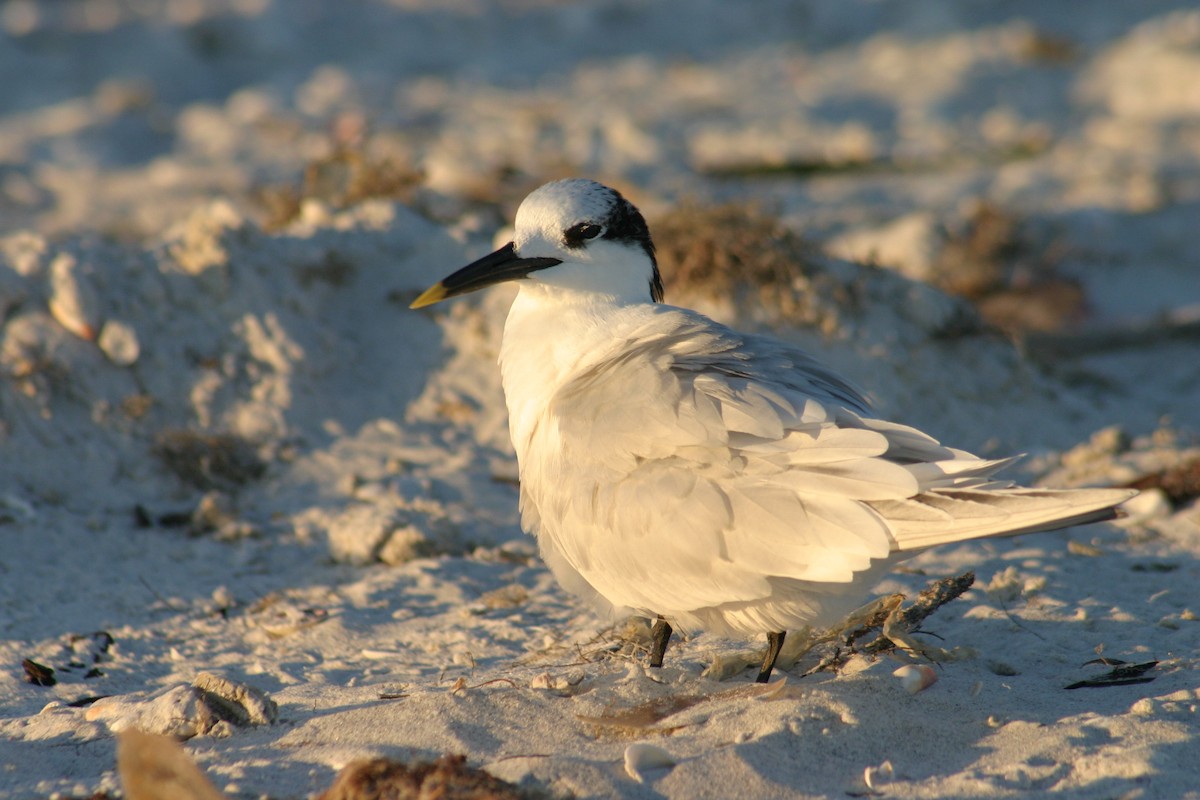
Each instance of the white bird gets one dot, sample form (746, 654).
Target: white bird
(675, 468)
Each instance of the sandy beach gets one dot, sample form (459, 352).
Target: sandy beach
(250, 500)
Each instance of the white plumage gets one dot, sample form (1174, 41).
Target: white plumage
(674, 467)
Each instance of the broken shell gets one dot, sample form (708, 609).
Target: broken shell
(73, 299)
(641, 758)
(119, 342)
(916, 677)
(880, 776)
(561, 685)
(239, 703)
(210, 706)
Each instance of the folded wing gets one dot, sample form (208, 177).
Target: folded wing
(691, 467)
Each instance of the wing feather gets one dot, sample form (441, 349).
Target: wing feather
(727, 480)
(942, 516)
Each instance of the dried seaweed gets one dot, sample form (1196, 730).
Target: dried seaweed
(1180, 483)
(992, 260)
(908, 620)
(348, 175)
(720, 251)
(893, 626)
(1121, 674)
(209, 461)
(448, 778)
(38, 674)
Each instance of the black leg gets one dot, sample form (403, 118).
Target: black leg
(774, 645)
(661, 635)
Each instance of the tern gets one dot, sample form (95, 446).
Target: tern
(677, 469)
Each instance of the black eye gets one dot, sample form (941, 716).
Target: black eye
(576, 235)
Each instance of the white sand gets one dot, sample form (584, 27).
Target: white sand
(139, 297)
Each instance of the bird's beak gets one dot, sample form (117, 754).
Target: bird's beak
(502, 265)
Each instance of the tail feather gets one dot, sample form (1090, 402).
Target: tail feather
(942, 516)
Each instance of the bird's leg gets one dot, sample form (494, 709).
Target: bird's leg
(661, 635)
(774, 645)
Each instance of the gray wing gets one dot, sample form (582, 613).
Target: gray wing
(689, 466)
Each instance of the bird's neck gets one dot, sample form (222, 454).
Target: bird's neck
(548, 338)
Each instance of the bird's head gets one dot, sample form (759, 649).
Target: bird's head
(573, 235)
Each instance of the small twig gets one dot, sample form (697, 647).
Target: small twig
(834, 661)
(1008, 613)
(934, 597)
(156, 594)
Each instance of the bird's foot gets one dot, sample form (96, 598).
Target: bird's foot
(774, 645)
(797, 645)
(661, 636)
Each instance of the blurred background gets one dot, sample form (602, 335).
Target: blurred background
(1039, 162)
(992, 148)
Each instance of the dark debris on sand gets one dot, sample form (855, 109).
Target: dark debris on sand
(448, 778)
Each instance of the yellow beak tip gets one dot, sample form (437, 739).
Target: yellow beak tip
(433, 294)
